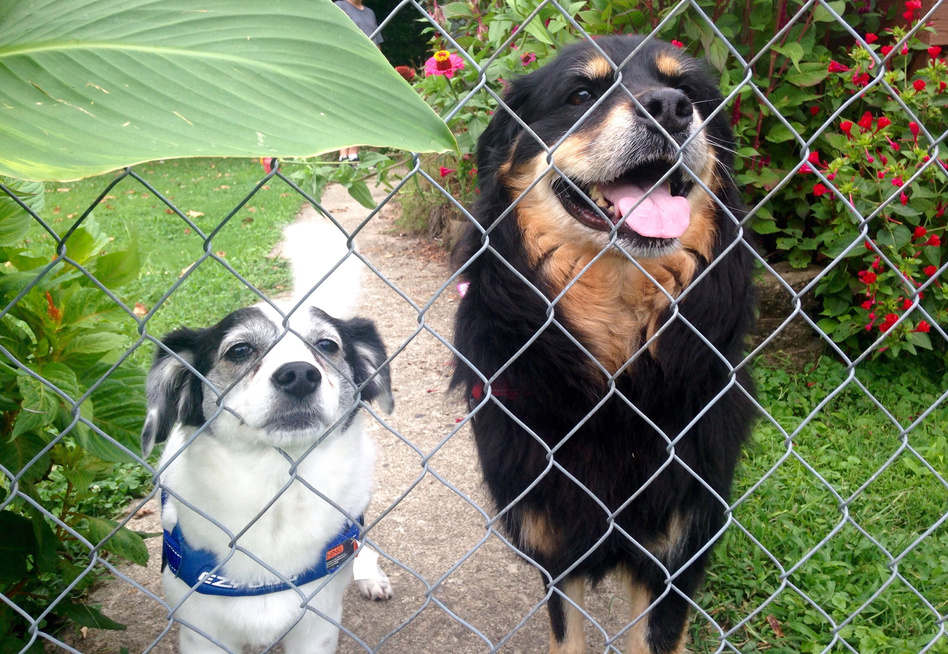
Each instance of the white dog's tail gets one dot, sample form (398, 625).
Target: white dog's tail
(314, 249)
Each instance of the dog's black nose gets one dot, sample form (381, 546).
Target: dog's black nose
(669, 107)
(298, 378)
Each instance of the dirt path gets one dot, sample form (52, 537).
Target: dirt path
(429, 502)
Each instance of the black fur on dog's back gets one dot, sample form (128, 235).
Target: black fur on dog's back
(554, 388)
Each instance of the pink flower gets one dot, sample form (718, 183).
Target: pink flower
(267, 163)
(527, 58)
(836, 67)
(903, 198)
(871, 38)
(897, 182)
(805, 168)
(443, 63)
(446, 171)
(678, 44)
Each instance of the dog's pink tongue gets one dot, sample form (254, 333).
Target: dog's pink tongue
(660, 215)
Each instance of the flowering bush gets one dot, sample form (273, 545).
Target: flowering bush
(877, 161)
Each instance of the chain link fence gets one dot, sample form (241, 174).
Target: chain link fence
(813, 557)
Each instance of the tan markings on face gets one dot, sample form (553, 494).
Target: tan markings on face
(668, 65)
(613, 304)
(537, 534)
(597, 68)
(575, 641)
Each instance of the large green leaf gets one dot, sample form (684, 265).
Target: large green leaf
(87, 86)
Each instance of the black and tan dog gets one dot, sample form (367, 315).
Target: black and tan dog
(609, 297)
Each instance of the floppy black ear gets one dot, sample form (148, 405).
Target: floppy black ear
(493, 144)
(173, 392)
(366, 354)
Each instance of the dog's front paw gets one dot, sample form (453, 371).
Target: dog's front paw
(373, 583)
(377, 588)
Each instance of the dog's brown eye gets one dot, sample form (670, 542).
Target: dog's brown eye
(239, 352)
(327, 346)
(582, 96)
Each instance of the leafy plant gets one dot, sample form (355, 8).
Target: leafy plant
(64, 424)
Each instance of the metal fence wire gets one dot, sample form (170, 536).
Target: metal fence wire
(460, 585)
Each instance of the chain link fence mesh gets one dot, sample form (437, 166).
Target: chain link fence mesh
(482, 594)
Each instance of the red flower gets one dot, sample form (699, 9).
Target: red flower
(897, 182)
(805, 168)
(923, 327)
(866, 121)
(406, 72)
(942, 86)
(847, 127)
(904, 49)
(934, 240)
(930, 270)
(867, 305)
(914, 5)
(814, 110)
(867, 276)
(934, 51)
(906, 304)
(871, 38)
(814, 157)
(885, 50)
(861, 80)
(913, 127)
(819, 190)
(527, 58)
(52, 311)
(836, 67)
(883, 122)
(903, 199)
(919, 85)
(890, 319)
(868, 245)
(919, 233)
(443, 63)
(678, 44)
(446, 171)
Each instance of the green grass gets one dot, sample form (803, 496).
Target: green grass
(847, 443)
(207, 190)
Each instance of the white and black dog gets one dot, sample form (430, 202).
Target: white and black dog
(268, 469)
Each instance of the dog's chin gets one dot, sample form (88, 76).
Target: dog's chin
(295, 426)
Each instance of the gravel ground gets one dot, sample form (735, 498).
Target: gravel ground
(429, 494)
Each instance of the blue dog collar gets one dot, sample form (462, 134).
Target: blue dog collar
(196, 567)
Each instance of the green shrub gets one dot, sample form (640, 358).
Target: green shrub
(58, 325)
